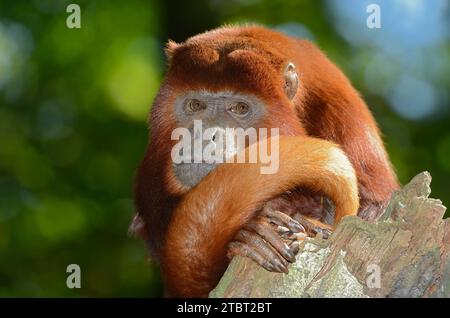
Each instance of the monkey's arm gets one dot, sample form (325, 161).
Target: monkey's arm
(330, 108)
(153, 202)
(210, 215)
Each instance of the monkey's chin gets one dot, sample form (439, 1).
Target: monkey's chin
(190, 174)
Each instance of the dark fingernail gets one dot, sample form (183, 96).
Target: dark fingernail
(297, 227)
(289, 256)
(269, 267)
(295, 247)
(279, 266)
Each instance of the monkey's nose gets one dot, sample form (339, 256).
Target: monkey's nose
(225, 141)
(218, 133)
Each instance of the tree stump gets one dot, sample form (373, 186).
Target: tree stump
(405, 253)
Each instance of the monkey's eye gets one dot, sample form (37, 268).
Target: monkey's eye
(194, 105)
(240, 108)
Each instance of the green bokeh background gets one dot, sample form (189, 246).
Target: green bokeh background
(73, 110)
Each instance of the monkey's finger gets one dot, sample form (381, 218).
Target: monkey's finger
(289, 236)
(294, 236)
(240, 249)
(255, 242)
(282, 219)
(268, 234)
(282, 230)
(314, 227)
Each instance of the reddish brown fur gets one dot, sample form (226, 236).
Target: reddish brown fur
(210, 215)
(250, 60)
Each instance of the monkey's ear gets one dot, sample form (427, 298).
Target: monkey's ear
(137, 227)
(290, 80)
(170, 49)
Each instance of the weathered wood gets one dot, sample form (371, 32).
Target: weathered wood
(408, 249)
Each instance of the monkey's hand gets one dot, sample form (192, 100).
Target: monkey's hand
(271, 239)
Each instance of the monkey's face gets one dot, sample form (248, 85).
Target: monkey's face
(224, 95)
(211, 121)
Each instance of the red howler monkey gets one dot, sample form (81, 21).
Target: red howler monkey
(253, 77)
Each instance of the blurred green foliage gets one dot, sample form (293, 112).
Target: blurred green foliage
(73, 109)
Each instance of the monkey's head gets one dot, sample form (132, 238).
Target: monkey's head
(230, 80)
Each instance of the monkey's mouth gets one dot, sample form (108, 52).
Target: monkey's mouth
(189, 174)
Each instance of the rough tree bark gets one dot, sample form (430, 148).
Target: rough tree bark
(406, 253)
